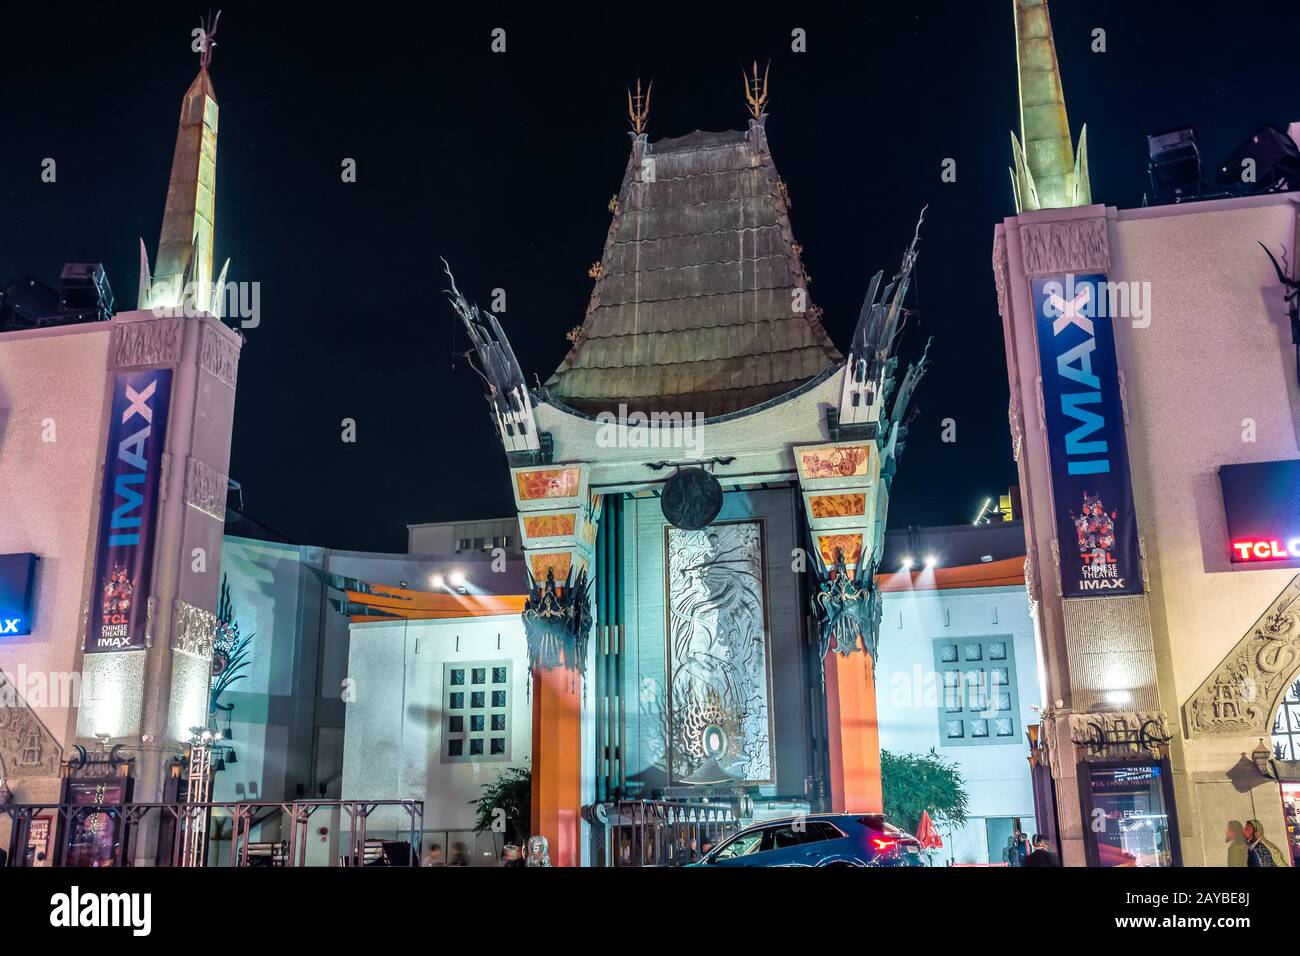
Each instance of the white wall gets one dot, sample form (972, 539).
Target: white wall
(393, 736)
(49, 490)
(1217, 352)
(996, 774)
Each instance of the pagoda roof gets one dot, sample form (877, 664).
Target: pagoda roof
(694, 308)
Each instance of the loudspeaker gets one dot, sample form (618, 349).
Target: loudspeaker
(1269, 161)
(1175, 166)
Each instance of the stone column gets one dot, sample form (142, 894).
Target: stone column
(149, 699)
(558, 519)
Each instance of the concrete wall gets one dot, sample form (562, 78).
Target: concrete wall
(1208, 379)
(51, 386)
(1215, 364)
(996, 773)
(393, 742)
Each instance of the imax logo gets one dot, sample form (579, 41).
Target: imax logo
(1071, 310)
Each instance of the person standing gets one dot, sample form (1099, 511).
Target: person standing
(1262, 853)
(1238, 852)
(1041, 855)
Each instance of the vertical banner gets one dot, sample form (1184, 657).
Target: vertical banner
(128, 513)
(1093, 492)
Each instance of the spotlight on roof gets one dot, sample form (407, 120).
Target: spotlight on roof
(436, 581)
(457, 578)
(931, 561)
(907, 563)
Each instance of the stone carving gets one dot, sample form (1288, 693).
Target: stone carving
(27, 749)
(193, 629)
(218, 355)
(1243, 693)
(1016, 421)
(205, 488)
(148, 342)
(1118, 735)
(1000, 272)
(1032, 584)
(1069, 245)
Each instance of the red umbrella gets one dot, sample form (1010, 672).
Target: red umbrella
(925, 833)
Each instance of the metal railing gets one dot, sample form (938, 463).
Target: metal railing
(113, 834)
(660, 832)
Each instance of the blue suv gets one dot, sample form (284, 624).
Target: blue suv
(818, 839)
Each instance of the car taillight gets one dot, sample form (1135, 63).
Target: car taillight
(882, 844)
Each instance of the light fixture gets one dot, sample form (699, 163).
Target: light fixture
(457, 578)
(931, 561)
(435, 581)
(907, 563)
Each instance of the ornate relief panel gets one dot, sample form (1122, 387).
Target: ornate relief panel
(1243, 693)
(718, 662)
(27, 749)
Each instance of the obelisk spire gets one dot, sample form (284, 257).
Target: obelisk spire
(185, 243)
(1047, 173)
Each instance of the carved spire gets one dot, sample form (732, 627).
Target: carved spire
(638, 107)
(185, 243)
(756, 93)
(1047, 173)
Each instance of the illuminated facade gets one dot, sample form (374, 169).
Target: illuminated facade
(1149, 360)
(702, 471)
(114, 447)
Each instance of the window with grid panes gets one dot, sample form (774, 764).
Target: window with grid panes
(977, 681)
(476, 712)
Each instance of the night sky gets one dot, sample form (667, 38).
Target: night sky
(505, 163)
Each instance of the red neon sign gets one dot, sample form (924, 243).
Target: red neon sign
(1266, 549)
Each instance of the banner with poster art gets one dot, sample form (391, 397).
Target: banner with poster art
(1096, 527)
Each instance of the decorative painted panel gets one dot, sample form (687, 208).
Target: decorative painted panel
(549, 525)
(837, 506)
(719, 718)
(560, 562)
(835, 461)
(547, 483)
(850, 544)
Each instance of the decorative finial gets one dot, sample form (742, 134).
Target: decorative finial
(638, 107)
(207, 39)
(756, 94)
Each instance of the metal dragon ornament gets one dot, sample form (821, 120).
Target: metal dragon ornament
(557, 623)
(849, 608)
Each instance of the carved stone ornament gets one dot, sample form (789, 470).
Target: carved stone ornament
(1016, 420)
(205, 488)
(193, 629)
(1119, 735)
(27, 749)
(147, 342)
(1032, 583)
(1000, 271)
(1243, 693)
(1069, 245)
(219, 356)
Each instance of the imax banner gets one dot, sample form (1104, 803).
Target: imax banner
(1095, 524)
(128, 511)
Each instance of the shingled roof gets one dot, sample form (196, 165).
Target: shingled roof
(694, 304)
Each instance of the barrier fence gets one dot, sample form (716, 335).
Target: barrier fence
(192, 834)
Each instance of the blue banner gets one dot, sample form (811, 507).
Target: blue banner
(1096, 527)
(137, 431)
